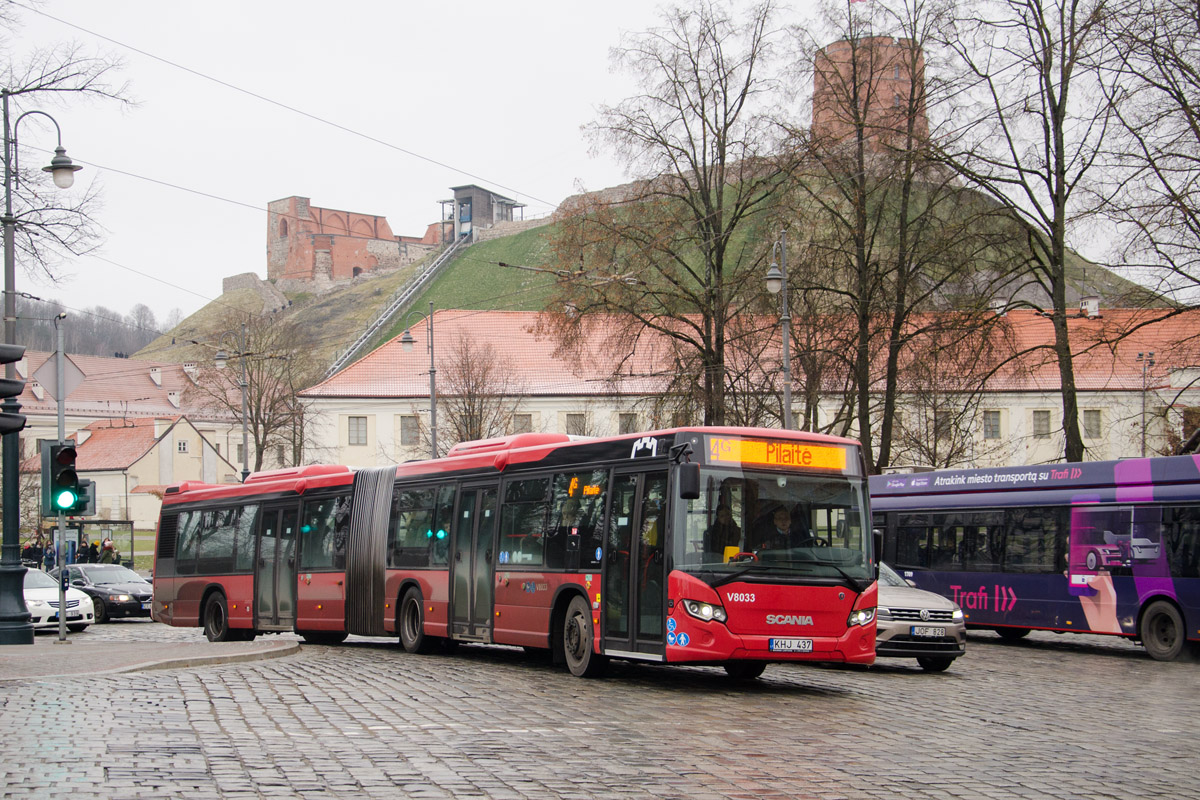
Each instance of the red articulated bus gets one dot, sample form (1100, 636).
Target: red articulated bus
(725, 546)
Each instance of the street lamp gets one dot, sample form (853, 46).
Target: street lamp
(1147, 360)
(221, 358)
(407, 341)
(777, 280)
(15, 622)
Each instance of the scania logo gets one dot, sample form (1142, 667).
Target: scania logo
(788, 619)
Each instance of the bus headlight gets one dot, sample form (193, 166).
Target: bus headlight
(704, 611)
(861, 616)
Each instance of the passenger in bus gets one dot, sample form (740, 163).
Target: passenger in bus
(723, 533)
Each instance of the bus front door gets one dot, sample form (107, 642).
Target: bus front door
(634, 571)
(275, 569)
(471, 570)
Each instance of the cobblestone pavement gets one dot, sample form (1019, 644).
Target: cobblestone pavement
(1049, 717)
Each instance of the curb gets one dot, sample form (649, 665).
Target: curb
(260, 652)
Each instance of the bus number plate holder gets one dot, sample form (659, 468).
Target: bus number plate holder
(790, 645)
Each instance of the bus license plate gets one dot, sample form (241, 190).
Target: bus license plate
(790, 645)
(925, 630)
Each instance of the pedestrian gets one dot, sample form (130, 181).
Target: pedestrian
(49, 557)
(94, 553)
(108, 553)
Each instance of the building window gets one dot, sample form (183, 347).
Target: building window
(1091, 423)
(576, 424)
(357, 434)
(895, 72)
(283, 229)
(408, 430)
(1041, 424)
(522, 423)
(991, 424)
(896, 100)
(627, 423)
(181, 446)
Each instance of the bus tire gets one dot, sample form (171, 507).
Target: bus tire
(934, 663)
(323, 637)
(1011, 634)
(216, 619)
(577, 639)
(1162, 631)
(412, 623)
(745, 670)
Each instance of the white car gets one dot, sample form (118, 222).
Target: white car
(41, 598)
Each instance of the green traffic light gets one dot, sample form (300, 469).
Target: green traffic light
(65, 499)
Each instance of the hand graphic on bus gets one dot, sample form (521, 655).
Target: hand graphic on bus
(1100, 607)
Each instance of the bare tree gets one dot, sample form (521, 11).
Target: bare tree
(478, 393)
(669, 253)
(50, 224)
(890, 233)
(275, 369)
(1032, 121)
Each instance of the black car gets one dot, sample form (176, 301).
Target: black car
(116, 591)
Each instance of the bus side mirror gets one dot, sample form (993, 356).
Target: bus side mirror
(689, 481)
(877, 536)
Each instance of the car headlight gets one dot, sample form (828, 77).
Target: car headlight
(120, 598)
(861, 616)
(36, 604)
(884, 613)
(704, 611)
(957, 615)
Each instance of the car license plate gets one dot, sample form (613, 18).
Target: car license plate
(74, 615)
(925, 630)
(145, 606)
(790, 645)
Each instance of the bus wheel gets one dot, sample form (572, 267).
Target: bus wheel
(934, 664)
(322, 637)
(1011, 634)
(577, 641)
(412, 623)
(1162, 631)
(216, 619)
(745, 670)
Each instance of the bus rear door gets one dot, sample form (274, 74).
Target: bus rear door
(634, 571)
(473, 561)
(275, 569)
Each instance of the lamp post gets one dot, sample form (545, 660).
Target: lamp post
(777, 280)
(407, 341)
(220, 359)
(1147, 360)
(15, 624)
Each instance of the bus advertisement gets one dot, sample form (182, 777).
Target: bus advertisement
(1107, 547)
(722, 546)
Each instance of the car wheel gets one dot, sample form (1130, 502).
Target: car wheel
(1092, 560)
(1162, 631)
(745, 670)
(934, 664)
(216, 619)
(577, 641)
(99, 612)
(77, 628)
(1011, 634)
(412, 623)
(322, 637)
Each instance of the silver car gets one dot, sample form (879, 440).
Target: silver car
(913, 623)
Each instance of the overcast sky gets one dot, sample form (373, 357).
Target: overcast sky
(495, 93)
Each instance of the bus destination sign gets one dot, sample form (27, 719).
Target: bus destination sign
(770, 453)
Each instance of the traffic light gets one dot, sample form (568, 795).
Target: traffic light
(11, 387)
(86, 505)
(60, 481)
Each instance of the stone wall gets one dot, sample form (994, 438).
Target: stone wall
(502, 229)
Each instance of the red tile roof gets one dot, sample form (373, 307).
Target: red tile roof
(1101, 362)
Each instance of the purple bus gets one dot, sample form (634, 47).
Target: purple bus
(1092, 547)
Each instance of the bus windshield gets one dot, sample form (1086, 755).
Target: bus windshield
(775, 526)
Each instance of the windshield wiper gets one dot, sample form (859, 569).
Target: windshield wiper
(754, 566)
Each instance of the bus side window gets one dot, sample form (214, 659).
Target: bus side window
(912, 540)
(412, 528)
(439, 543)
(523, 521)
(574, 518)
(245, 523)
(185, 550)
(1182, 540)
(318, 532)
